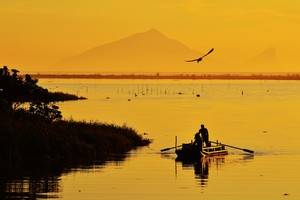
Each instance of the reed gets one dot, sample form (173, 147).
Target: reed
(28, 139)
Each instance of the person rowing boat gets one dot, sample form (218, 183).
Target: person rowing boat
(201, 137)
(204, 134)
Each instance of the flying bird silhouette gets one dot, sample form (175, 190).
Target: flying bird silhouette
(199, 59)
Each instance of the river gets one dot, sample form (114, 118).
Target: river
(262, 116)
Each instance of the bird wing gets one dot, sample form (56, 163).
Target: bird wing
(199, 59)
(208, 52)
(191, 60)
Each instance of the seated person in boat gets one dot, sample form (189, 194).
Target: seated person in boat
(204, 134)
(198, 141)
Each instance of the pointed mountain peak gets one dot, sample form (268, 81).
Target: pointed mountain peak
(268, 55)
(270, 52)
(144, 51)
(266, 61)
(153, 31)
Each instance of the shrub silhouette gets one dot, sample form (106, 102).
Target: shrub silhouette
(16, 91)
(37, 136)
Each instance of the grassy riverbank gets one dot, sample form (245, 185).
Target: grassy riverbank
(31, 140)
(33, 134)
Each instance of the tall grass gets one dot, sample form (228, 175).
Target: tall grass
(27, 139)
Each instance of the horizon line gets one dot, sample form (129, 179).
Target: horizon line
(204, 76)
(150, 73)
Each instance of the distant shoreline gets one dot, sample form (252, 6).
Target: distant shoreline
(208, 76)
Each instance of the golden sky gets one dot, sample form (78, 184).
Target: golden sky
(36, 34)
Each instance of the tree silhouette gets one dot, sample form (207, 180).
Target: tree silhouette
(16, 91)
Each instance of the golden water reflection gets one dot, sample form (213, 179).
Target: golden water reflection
(30, 187)
(201, 168)
(265, 118)
(38, 182)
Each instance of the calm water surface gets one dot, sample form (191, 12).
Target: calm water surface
(259, 115)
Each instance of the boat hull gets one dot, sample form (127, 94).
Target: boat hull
(191, 152)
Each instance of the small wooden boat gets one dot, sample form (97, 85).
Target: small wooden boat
(190, 151)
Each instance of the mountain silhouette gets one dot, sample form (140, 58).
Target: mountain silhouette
(151, 51)
(263, 62)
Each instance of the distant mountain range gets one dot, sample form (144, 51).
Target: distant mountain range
(265, 61)
(152, 51)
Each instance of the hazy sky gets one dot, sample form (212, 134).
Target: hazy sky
(35, 34)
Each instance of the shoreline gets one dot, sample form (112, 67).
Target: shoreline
(33, 133)
(35, 142)
(208, 76)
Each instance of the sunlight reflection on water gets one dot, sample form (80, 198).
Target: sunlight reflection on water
(258, 115)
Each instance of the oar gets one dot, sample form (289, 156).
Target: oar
(246, 150)
(167, 149)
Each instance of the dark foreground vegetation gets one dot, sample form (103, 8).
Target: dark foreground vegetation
(27, 139)
(33, 134)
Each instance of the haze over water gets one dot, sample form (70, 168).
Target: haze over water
(259, 115)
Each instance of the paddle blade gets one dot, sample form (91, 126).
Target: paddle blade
(166, 149)
(249, 151)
